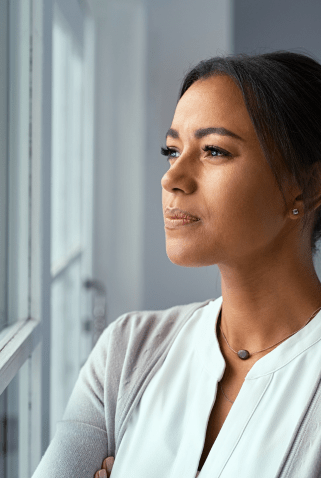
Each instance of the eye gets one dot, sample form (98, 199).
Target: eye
(168, 152)
(218, 151)
(215, 152)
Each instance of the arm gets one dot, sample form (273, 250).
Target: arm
(80, 443)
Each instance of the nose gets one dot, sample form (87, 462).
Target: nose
(180, 176)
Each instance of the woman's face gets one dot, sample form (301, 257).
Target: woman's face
(232, 190)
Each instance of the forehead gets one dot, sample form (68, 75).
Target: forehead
(217, 102)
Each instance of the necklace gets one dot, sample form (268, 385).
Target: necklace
(245, 354)
(225, 395)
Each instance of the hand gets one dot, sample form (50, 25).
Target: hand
(106, 468)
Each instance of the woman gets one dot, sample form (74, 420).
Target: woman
(227, 387)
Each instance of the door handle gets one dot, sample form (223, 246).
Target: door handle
(98, 322)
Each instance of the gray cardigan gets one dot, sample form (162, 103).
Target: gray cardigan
(110, 384)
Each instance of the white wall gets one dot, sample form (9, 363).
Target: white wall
(119, 158)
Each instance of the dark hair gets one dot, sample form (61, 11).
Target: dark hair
(282, 93)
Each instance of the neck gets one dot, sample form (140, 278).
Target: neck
(263, 305)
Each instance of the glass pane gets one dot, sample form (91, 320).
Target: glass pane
(66, 144)
(67, 193)
(14, 417)
(65, 339)
(18, 160)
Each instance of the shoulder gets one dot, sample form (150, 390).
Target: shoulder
(137, 332)
(148, 325)
(136, 339)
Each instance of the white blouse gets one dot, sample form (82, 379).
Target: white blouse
(170, 421)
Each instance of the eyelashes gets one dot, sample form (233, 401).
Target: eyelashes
(166, 151)
(213, 149)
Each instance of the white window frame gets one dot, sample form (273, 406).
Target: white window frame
(19, 341)
(27, 341)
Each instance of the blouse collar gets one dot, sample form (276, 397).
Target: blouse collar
(279, 357)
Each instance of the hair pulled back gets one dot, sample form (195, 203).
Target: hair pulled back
(282, 93)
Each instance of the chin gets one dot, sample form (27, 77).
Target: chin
(188, 259)
(184, 263)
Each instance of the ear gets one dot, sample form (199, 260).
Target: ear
(314, 183)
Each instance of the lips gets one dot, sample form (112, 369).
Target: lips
(174, 223)
(175, 213)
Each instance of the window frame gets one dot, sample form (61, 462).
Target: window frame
(18, 340)
(28, 340)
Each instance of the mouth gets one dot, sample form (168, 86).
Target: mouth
(173, 222)
(175, 214)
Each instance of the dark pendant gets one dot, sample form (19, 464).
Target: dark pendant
(243, 354)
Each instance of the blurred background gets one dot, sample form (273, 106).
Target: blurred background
(88, 89)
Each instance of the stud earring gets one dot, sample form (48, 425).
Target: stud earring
(295, 211)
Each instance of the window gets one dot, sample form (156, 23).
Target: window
(71, 181)
(20, 321)
(46, 160)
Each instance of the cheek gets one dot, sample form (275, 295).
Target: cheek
(248, 208)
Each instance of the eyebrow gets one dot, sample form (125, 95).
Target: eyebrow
(200, 133)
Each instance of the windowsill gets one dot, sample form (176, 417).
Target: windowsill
(16, 343)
